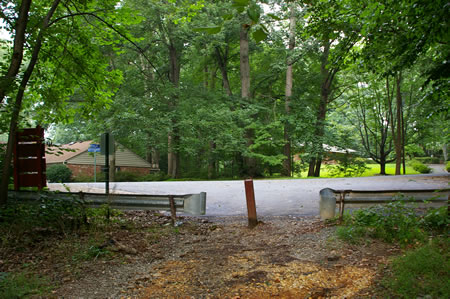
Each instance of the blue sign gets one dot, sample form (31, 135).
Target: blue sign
(94, 148)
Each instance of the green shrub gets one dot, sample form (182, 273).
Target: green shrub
(352, 234)
(126, 176)
(428, 160)
(436, 219)
(100, 177)
(419, 166)
(58, 214)
(159, 176)
(447, 166)
(347, 166)
(59, 174)
(391, 222)
(413, 150)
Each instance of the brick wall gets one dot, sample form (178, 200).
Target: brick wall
(88, 170)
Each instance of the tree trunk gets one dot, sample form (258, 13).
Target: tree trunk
(398, 144)
(173, 138)
(212, 161)
(383, 168)
(244, 62)
(325, 91)
(382, 161)
(222, 60)
(249, 163)
(287, 165)
(17, 55)
(18, 104)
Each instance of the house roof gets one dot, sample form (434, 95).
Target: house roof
(62, 153)
(77, 153)
(334, 149)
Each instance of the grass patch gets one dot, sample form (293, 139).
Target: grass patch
(372, 170)
(420, 272)
(23, 285)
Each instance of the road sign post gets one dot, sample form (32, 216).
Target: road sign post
(94, 148)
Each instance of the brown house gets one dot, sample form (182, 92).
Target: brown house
(76, 156)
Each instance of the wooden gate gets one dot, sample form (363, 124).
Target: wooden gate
(29, 159)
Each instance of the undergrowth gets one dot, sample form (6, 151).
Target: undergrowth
(424, 269)
(420, 273)
(23, 284)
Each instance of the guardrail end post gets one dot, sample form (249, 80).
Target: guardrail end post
(327, 204)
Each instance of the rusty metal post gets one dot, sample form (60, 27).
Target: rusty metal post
(173, 210)
(251, 206)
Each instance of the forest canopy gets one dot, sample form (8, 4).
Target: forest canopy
(231, 88)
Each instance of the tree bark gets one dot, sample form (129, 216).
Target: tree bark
(249, 163)
(244, 62)
(17, 55)
(222, 60)
(173, 138)
(287, 165)
(398, 144)
(212, 161)
(325, 91)
(18, 103)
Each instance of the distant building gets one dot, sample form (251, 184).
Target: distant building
(76, 156)
(331, 153)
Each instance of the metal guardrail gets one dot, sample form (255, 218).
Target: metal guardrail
(329, 198)
(194, 204)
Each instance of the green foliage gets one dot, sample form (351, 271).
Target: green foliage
(391, 222)
(100, 177)
(436, 219)
(414, 150)
(447, 166)
(126, 176)
(347, 166)
(423, 272)
(93, 252)
(419, 166)
(159, 176)
(428, 160)
(23, 285)
(351, 234)
(49, 213)
(59, 173)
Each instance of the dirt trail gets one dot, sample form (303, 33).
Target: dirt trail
(286, 257)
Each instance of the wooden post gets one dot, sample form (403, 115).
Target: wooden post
(251, 206)
(173, 210)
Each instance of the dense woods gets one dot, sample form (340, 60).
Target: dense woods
(231, 88)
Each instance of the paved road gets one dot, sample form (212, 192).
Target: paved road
(273, 197)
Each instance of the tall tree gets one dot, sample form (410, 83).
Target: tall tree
(61, 49)
(287, 171)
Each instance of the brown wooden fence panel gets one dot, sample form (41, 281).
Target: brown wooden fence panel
(29, 159)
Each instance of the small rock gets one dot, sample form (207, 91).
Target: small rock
(333, 258)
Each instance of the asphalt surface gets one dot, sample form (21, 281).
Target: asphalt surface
(273, 197)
